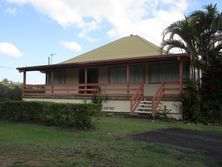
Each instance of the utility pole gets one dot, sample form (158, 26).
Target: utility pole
(51, 55)
(48, 60)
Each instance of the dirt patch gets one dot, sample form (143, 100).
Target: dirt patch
(208, 143)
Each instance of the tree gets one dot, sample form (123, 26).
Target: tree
(180, 35)
(199, 35)
(208, 35)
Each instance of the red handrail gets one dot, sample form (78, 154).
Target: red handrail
(163, 92)
(136, 98)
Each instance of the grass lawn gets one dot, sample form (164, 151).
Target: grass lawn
(106, 145)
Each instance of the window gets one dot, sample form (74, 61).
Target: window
(137, 73)
(163, 72)
(117, 74)
(58, 77)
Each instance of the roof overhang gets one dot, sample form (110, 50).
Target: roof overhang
(168, 57)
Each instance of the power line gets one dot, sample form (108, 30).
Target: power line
(7, 67)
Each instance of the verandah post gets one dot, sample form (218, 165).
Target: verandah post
(181, 75)
(52, 82)
(127, 78)
(85, 81)
(24, 83)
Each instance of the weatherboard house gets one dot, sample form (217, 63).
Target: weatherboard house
(135, 75)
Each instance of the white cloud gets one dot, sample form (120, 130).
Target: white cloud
(168, 1)
(11, 11)
(18, 1)
(72, 45)
(8, 49)
(142, 17)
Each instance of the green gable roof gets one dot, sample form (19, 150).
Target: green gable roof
(132, 46)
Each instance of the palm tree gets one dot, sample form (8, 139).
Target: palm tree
(180, 35)
(208, 27)
(199, 35)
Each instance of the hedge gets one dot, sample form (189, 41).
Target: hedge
(59, 114)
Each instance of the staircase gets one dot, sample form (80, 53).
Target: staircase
(139, 105)
(144, 107)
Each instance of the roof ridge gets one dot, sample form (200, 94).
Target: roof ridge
(157, 48)
(130, 46)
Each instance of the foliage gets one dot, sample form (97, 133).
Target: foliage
(75, 115)
(163, 113)
(207, 27)
(10, 90)
(200, 34)
(191, 103)
(212, 93)
(98, 99)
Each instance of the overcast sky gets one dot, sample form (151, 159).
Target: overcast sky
(31, 30)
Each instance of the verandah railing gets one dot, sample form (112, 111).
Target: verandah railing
(89, 89)
(135, 91)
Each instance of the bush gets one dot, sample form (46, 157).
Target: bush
(191, 103)
(67, 115)
(10, 90)
(211, 90)
(162, 114)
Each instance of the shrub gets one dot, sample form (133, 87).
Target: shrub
(211, 91)
(98, 99)
(10, 90)
(191, 103)
(162, 114)
(75, 115)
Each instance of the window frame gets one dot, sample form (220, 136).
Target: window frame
(144, 72)
(49, 74)
(161, 63)
(115, 66)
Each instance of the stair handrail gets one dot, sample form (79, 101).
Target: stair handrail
(157, 97)
(162, 93)
(136, 98)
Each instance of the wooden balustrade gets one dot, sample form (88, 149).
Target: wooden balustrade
(73, 90)
(134, 91)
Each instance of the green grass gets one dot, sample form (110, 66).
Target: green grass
(106, 145)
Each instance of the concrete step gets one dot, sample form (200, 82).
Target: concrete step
(144, 109)
(145, 106)
(145, 102)
(148, 111)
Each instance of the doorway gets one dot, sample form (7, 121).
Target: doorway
(92, 77)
